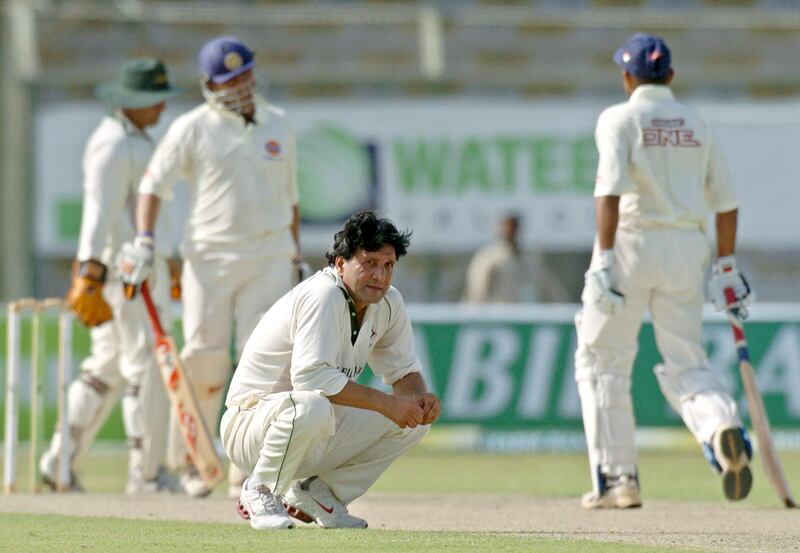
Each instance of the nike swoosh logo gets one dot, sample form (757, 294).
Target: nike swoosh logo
(328, 510)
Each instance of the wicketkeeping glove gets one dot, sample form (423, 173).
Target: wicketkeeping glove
(724, 275)
(85, 295)
(134, 263)
(601, 286)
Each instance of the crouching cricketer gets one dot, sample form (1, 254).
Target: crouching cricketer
(313, 439)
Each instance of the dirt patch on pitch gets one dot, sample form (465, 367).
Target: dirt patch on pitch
(701, 526)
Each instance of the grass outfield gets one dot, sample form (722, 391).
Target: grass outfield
(681, 475)
(23, 533)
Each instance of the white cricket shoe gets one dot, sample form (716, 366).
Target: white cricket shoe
(622, 492)
(264, 510)
(48, 465)
(163, 482)
(311, 500)
(732, 452)
(193, 484)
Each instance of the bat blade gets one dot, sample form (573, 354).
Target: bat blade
(196, 435)
(761, 426)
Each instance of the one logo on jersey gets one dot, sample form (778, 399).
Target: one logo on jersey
(272, 148)
(372, 337)
(668, 133)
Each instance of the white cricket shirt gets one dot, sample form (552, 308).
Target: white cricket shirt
(113, 162)
(242, 179)
(659, 156)
(306, 342)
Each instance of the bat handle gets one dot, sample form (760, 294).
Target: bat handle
(152, 312)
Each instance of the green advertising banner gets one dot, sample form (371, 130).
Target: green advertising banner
(516, 372)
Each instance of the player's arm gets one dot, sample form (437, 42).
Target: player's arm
(147, 208)
(721, 199)
(405, 410)
(606, 209)
(105, 189)
(170, 160)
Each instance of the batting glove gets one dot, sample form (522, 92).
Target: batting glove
(134, 263)
(725, 276)
(601, 286)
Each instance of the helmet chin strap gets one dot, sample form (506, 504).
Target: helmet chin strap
(236, 99)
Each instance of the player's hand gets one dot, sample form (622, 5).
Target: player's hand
(405, 411)
(134, 263)
(601, 286)
(725, 276)
(431, 407)
(175, 270)
(85, 295)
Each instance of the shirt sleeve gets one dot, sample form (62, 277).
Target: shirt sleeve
(720, 194)
(393, 356)
(317, 339)
(613, 149)
(171, 161)
(106, 185)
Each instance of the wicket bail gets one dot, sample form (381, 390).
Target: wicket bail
(37, 309)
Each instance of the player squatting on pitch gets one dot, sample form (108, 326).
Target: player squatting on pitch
(121, 359)
(312, 437)
(237, 153)
(659, 172)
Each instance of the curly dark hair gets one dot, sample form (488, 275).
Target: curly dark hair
(365, 230)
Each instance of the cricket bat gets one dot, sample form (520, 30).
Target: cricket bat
(758, 415)
(181, 396)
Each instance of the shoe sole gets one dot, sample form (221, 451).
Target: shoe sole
(294, 512)
(242, 510)
(737, 478)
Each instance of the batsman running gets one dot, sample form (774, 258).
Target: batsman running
(312, 437)
(237, 153)
(659, 171)
(121, 359)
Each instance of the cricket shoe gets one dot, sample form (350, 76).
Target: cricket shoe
(620, 492)
(730, 456)
(163, 482)
(264, 510)
(48, 465)
(193, 484)
(311, 500)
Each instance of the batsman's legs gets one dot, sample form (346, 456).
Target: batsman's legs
(695, 392)
(208, 289)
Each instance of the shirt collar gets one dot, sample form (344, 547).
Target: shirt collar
(129, 127)
(652, 92)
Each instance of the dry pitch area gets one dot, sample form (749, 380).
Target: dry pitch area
(701, 526)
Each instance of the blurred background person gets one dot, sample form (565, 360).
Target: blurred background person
(122, 357)
(498, 273)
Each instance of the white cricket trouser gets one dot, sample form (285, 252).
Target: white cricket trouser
(220, 293)
(661, 270)
(292, 435)
(122, 362)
